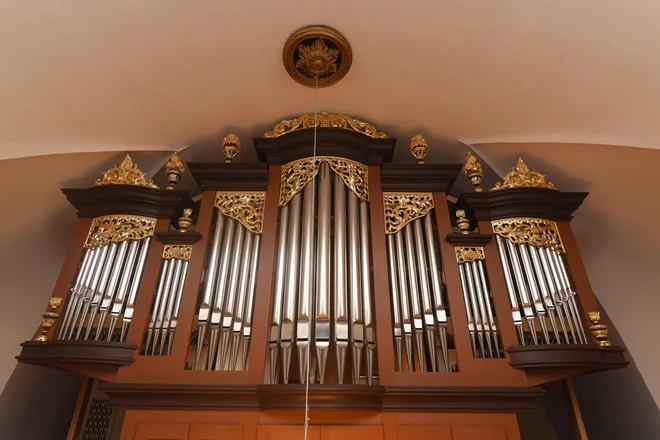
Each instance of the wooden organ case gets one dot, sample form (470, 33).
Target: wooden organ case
(408, 317)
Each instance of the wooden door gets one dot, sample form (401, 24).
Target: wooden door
(162, 431)
(287, 432)
(351, 432)
(478, 433)
(424, 433)
(215, 432)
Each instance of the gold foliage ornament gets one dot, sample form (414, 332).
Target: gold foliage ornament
(246, 207)
(532, 231)
(297, 174)
(522, 177)
(177, 251)
(118, 228)
(49, 318)
(473, 170)
(469, 254)
(126, 173)
(231, 146)
(174, 168)
(317, 59)
(324, 119)
(419, 148)
(402, 208)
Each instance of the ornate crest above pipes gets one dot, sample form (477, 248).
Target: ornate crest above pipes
(522, 177)
(533, 231)
(126, 173)
(324, 120)
(402, 208)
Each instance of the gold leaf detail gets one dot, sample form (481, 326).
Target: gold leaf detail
(246, 207)
(533, 231)
(317, 59)
(126, 173)
(522, 177)
(118, 228)
(324, 119)
(419, 148)
(297, 174)
(402, 208)
(231, 146)
(469, 254)
(177, 251)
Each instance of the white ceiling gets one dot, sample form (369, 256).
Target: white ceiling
(161, 74)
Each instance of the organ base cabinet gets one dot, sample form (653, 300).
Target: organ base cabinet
(331, 425)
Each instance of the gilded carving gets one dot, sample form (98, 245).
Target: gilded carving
(469, 254)
(473, 170)
(174, 168)
(177, 251)
(297, 174)
(317, 59)
(533, 231)
(419, 148)
(118, 228)
(126, 173)
(324, 119)
(521, 176)
(246, 207)
(49, 318)
(231, 146)
(600, 331)
(402, 208)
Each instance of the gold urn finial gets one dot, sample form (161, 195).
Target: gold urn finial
(521, 176)
(600, 331)
(126, 173)
(472, 169)
(174, 168)
(48, 318)
(186, 220)
(231, 146)
(419, 148)
(462, 222)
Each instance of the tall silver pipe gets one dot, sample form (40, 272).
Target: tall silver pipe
(365, 265)
(160, 313)
(468, 310)
(489, 309)
(93, 294)
(278, 293)
(81, 293)
(132, 291)
(249, 307)
(304, 325)
(177, 305)
(545, 292)
(238, 255)
(394, 290)
(109, 295)
(559, 292)
(478, 322)
(219, 297)
(539, 306)
(427, 305)
(405, 307)
(554, 293)
(340, 281)
(120, 299)
(482, 299)
(209, 286)
(100, 291)
(437, 289)
(239, 307)
(323, 270)
(355, 287)
(160, 292)
(291, 288)
(171, 300)
(515, 310)
(570, 294)
(522, 290)
(80, 275)
(416, 308)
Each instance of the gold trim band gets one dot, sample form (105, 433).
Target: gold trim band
(177, 251)
(246, 207)
(537, 232)
(324, 119)
(469, 254)
(118, 228)
(402, 208)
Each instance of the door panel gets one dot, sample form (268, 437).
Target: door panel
(162, 431)
(351, 432)
(478, 433)
(287, 432)
(424, 433)
(216, 432)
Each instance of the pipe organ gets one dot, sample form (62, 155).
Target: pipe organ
(329, 278)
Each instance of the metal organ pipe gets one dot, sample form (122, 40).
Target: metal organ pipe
(249, 307)
(369, 325)
(355, 287)
(322, 324)
(340, 274)
(394, 289)
(405, 307)
(278, 293)
(305, 325)
(427, 306)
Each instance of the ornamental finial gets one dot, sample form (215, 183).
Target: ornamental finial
(419, 148)
(174, 169)
(600, 331)
(186, 220)
(521, 176)
(126, 173)
(472, 169)
(462, 222)
(231, 146)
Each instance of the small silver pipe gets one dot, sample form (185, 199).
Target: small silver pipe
(80, 275)
(238, 255)
(560, 292)
(92, 290)
(427, 305)
(478, 323)
(323, 271)
(468, 310)
(481, 301)
(405, 307)
(553, 290)
(539, 306)
(365, 265)
(177, 305)
(394, 290)
(111, 291)
(252, 288)
(278, 293)
(100, 291)
(81, 292)
(239, 307)
(132, 291)
(355, 286)
(489, 308)
(156, 305)
(417, 317)
(165, 298)
(508, 278)
(570, 294)
(545, 292)
(171, 300)
(522, 290)
(304, 325)
(340, 278)
(120, 299)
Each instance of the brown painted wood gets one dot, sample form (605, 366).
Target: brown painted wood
(589, 357)
(381, 291)
(424, 433)
(262, 298)
(351, 432)
(229, 176)
(522, 202)
(178, 237)
(128, 199)
(161, 431)
(329, 142)
(79, 409)
(578, 422)
(472, 239)
(478, 433)
(215, 432)
(287, 432)
(56, 353)
(416, 178)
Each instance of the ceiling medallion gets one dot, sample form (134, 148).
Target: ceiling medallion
(317, 51)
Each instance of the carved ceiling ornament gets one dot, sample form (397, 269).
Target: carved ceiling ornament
(522, 177)
(324, 119)
(402, 208)
(297, 174)
(246, 207)
(118, 228)
(469, 254)
(126, 173)
(177, 252)
(537, 232)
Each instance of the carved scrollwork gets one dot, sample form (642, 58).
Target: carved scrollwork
(324, 119)
(297, 174)
(177, 251)
(125, 173)
(469, 254)
(246, 207)
(533, 231)
(402, 208)
(521, 176)
(118, 228)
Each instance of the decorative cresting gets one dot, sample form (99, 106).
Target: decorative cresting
(246, 207)
(231, 146)
(473, 170)
(181, 252)
(126, 173)
(469, 254)
(324, 119)
(48, 318)
(174, 168)
(297, 174)
(533, 231)
(402, 208)
(118, 228)
(522, 177)
(419, 148)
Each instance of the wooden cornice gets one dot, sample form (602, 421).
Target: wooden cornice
(419, 178)
(230, 176)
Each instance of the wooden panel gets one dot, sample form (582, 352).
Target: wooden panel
(424, 433)
(478, 433)
(282, 432)
(162, 431)
(351, 432)
(215, 432)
